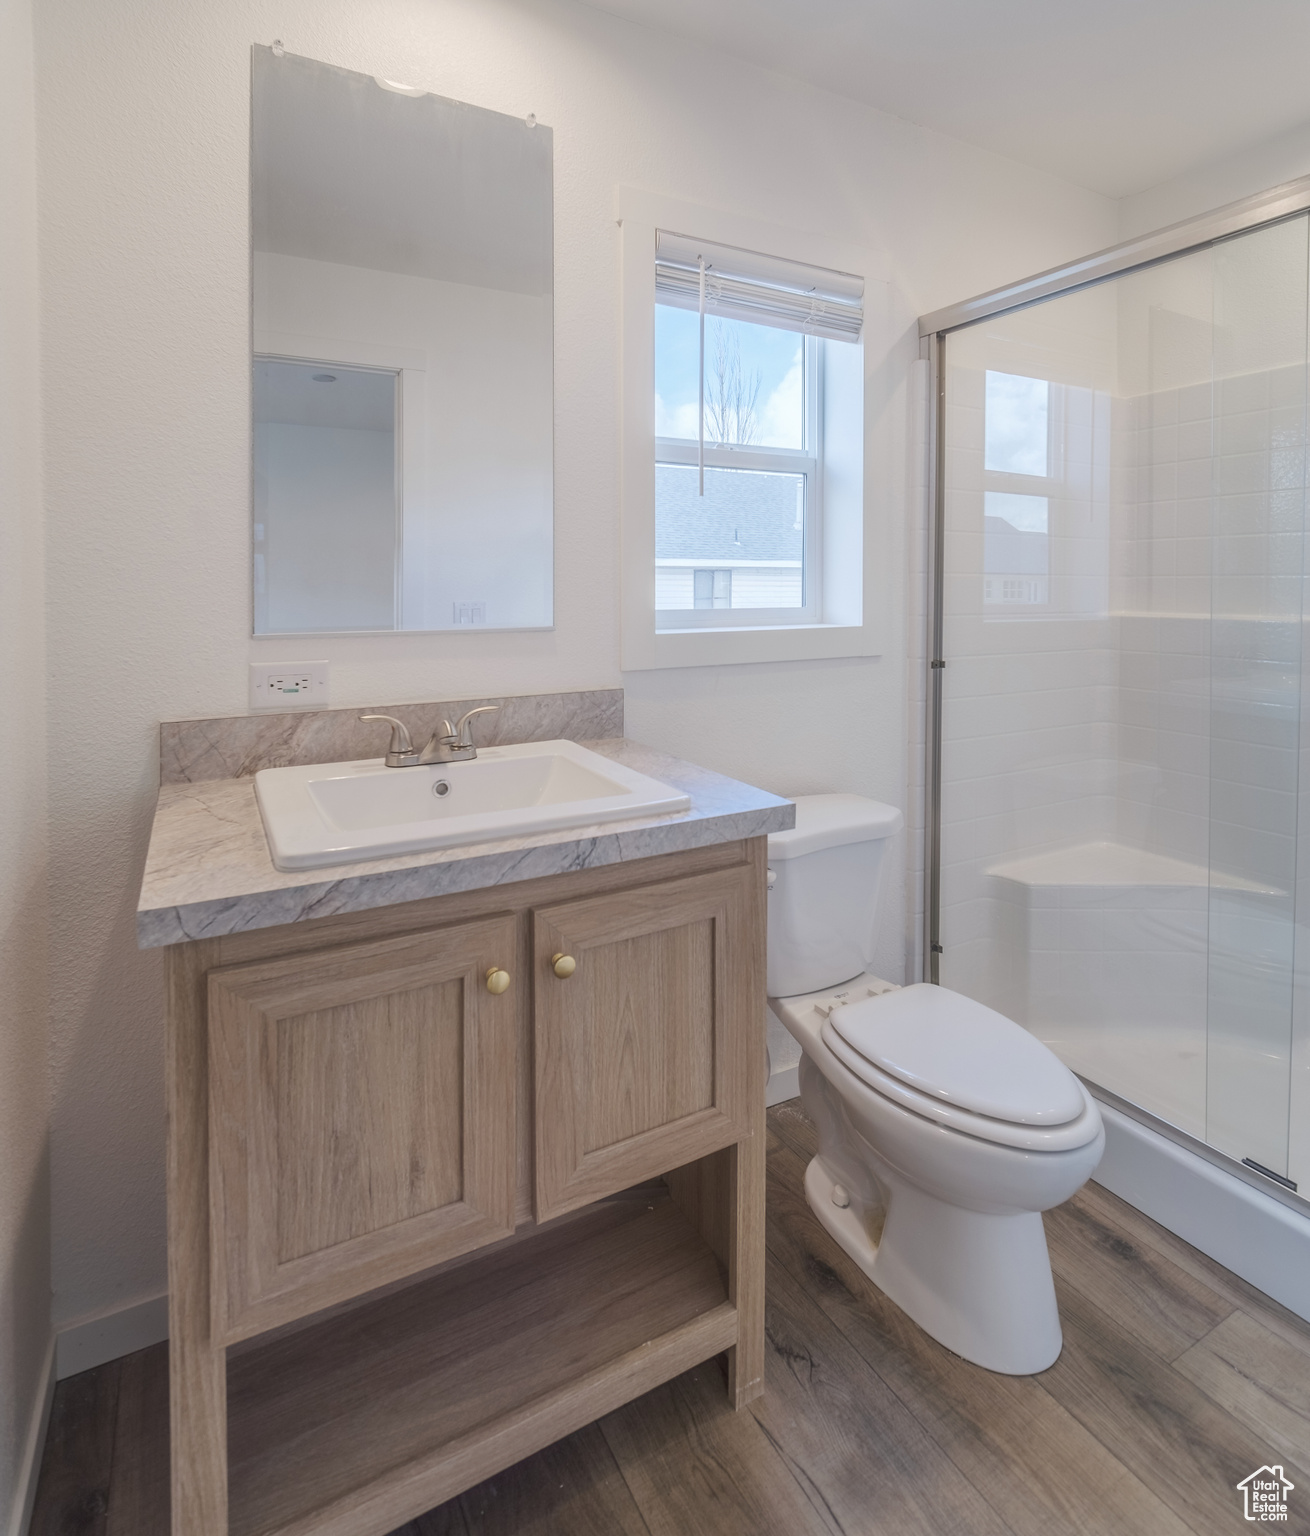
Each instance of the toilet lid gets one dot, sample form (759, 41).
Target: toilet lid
(953, 1049)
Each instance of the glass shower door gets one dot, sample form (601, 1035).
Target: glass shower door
(1124, 489)
(1257, 609)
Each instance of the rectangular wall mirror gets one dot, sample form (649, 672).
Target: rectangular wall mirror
(402, 400)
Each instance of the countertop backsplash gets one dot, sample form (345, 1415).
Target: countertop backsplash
(238, 746)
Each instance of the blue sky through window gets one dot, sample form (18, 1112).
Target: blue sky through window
(1015, 424)
(775, 356)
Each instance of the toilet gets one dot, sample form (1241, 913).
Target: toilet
(944, 1128)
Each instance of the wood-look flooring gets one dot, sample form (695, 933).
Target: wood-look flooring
(1177, 1379)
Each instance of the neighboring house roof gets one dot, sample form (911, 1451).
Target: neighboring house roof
(1011, 551)
(744, 515)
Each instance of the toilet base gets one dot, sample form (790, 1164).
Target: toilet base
(978, 1283)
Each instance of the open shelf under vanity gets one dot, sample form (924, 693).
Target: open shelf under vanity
(404, 1400)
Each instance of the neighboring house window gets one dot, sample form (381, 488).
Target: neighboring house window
(712, 589)
(739, 428)
(1017, 461)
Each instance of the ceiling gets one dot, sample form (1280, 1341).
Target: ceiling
(1115, 95)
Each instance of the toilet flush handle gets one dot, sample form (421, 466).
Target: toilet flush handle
(773, 878)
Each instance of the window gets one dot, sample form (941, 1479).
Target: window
(1017, 432)
(1016, 548)
(711, 589)
(777, 482)
(740, 372)
(1017, 460)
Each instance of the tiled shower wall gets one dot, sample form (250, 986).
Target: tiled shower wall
(1207, 547)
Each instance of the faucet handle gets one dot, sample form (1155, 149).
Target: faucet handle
(400, 750)
(463, 731)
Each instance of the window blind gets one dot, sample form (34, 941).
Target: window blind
(766, 290)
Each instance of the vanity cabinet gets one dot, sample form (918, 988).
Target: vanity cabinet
(361, 1119)
(641, 1051)
(451, 1178)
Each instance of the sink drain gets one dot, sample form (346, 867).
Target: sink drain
(440, 788)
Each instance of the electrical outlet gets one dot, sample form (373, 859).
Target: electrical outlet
(288, 684)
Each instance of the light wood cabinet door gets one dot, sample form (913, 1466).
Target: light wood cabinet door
(643, 1053)
(362, 1118)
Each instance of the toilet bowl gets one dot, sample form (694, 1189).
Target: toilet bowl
(944, 1128)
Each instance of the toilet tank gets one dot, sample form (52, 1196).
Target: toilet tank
(823, 897)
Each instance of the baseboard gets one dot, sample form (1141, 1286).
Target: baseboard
(1244, 1229)
(88, 1344)
(784, 1061)
(782, 1086)
(29, 1469)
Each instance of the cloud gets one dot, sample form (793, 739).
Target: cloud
(682, 421)
(780, 415)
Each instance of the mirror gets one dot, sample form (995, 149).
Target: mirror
(402, 443)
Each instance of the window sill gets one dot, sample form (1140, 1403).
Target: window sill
(745, 629)
(724, 646)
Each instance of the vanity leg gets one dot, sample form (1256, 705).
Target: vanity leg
(723, 1197)
(746, 1270)
(745, 1215)
(197, 1370)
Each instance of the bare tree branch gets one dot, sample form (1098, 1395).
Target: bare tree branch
(731, 395)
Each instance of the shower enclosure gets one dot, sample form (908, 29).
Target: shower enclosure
(1118, 807)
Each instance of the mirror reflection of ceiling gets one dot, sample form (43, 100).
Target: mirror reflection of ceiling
(352, 172)
(308, 395)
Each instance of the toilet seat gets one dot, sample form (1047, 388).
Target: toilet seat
(1024, 1138)
(953, 1048)
(958, 1063)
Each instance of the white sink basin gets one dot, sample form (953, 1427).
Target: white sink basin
(340, 813)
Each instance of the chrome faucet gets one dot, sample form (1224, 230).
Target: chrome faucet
(450, 744)
(454, 743)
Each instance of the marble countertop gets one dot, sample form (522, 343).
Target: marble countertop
(208, 871)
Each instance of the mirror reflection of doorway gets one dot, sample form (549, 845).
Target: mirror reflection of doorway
(327, 496)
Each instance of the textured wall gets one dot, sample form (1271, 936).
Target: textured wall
(143, 117)
(24, 1081)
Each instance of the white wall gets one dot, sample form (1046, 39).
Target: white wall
(144, 117)
(1252, 169)
(24, 1074)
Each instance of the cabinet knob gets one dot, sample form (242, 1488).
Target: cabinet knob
(563, 966)
(497, 981)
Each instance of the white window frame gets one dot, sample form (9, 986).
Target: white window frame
(807, 461)
(852, 596)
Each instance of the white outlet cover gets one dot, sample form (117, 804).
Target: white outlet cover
(288, 685)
